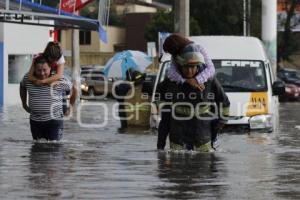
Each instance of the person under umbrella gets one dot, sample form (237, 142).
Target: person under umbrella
(117, 66)
(134, 103)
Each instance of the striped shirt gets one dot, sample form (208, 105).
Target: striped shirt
(45, 102)
(202, 77)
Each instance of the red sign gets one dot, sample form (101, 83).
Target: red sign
(284, 5)
(73, 5)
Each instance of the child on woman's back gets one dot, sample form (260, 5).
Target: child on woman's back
(56, 60)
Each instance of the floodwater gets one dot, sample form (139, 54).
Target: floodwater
(100, 163)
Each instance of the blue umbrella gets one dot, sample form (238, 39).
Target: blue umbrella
(117, 66)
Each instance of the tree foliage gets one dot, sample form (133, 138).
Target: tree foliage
(218, 17)
(225, 17)
(160, 22)
(90, 10)
(164, 22)
(255, 19)
(115, 19)
(210, 17)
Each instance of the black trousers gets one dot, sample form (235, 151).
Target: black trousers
(49, 130)
(164, 127)
(122, 114)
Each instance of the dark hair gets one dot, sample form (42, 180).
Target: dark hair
(52, 52)
(40, 60)
(175, 43)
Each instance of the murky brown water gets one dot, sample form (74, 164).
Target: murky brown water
(99, 163)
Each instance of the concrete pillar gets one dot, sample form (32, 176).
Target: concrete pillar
(269, 29)
(1, 66)
(244, 17)
(7, 5)
(76, 62)
(182, 17)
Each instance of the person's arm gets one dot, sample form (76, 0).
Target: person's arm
(73, 97)
(222, 101)
(201, 78)
(66, 87)
(55, 77)
(173, 74)
(223, 104)
(23, 96)
(209, 70)
(31, 76)
(72, 100)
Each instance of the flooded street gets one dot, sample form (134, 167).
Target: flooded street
(100, 163)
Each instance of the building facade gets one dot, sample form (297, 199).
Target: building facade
(92, 50)
(18, 44)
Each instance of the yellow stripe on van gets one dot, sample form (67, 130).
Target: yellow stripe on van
(258, 104)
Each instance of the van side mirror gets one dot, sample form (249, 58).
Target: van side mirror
(278, 88)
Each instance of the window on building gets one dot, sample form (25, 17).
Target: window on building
(18, 66)
(85, 37)
(59, 35)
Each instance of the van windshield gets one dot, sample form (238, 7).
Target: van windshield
(235, 75)
(241, 75)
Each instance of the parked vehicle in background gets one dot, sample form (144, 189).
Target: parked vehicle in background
(95, 67)
(93, 82)
(290, 76)
(292, 93)
(292, 87)
(246, 76)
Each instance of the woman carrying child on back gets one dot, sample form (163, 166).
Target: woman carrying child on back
(56, 60)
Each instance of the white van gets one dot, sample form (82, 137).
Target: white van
(244, 70)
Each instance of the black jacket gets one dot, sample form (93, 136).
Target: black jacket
(195, 131)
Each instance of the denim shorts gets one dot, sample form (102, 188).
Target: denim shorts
(49, 130)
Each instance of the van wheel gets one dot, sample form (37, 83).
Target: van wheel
(91, 92)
